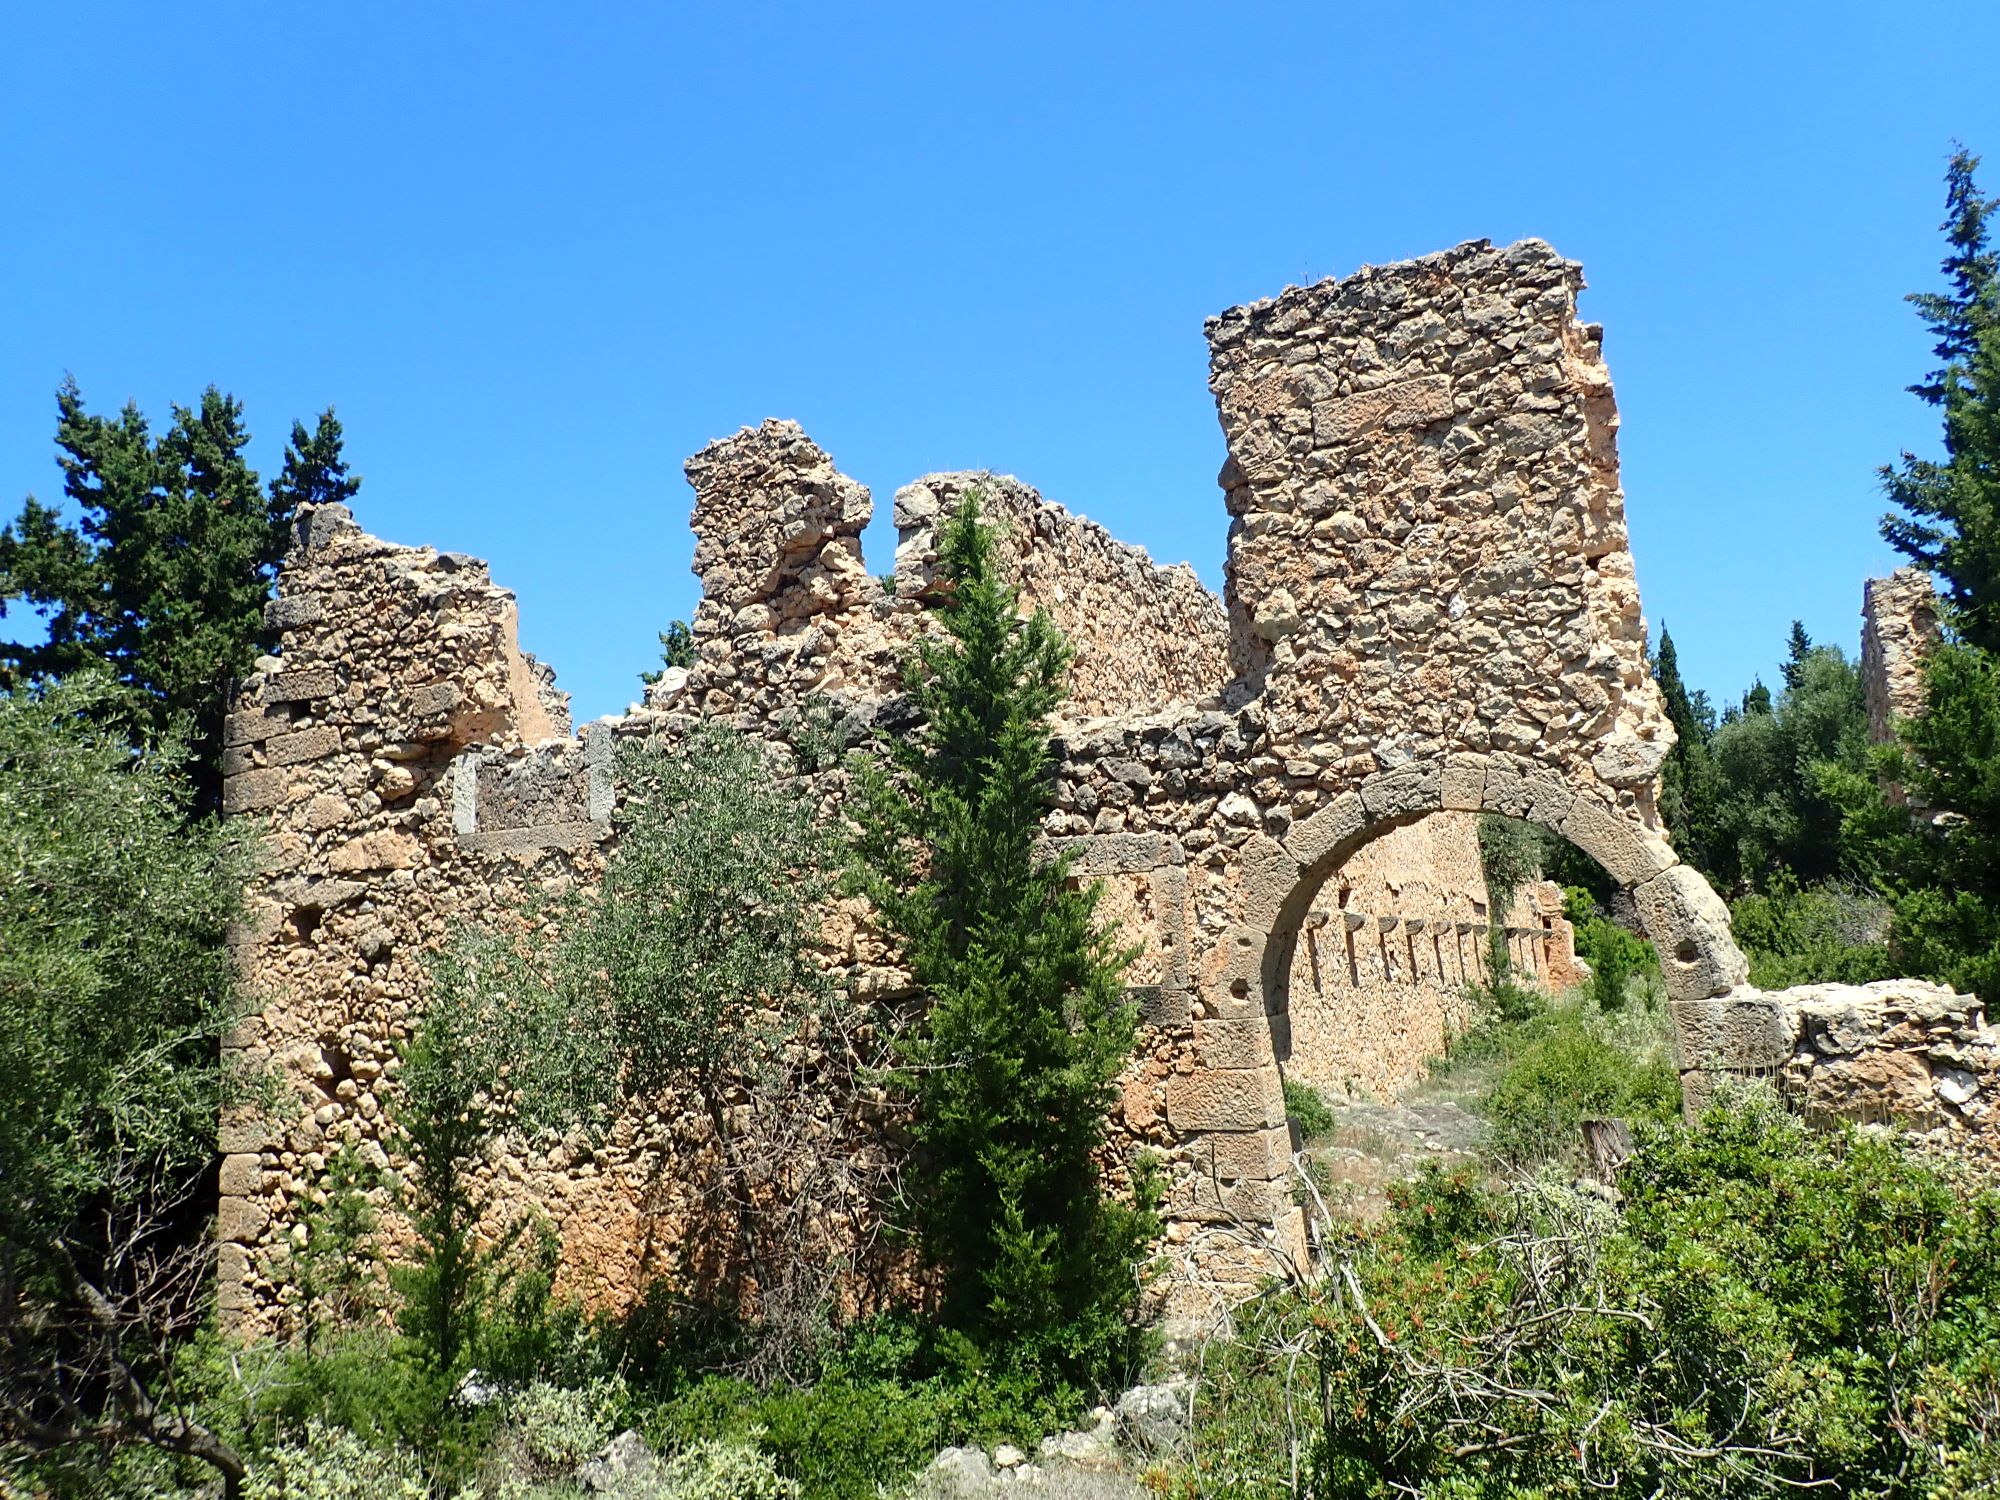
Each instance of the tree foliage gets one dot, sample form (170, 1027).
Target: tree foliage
(162, 576)
(1026, 1026)
(115, 991)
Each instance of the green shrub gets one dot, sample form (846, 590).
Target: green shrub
(720, 1470)
(1568, 1065)
(1817, 935)
(556, 1427)
(1307, 1107)
(330, 1463)
(1773, 1310)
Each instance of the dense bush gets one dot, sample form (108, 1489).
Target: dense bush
(1568, 1063)
(1818, 935)
(1772, 1309)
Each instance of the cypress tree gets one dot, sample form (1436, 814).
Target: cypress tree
(1012, 1065)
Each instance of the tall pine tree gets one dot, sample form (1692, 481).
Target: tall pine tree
(1944, 870)
(1011, 1069)
(1950, 510)
(163, 575)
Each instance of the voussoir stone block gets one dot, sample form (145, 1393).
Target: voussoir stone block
(1329, 831)
(1630, 854)
(1406, 792)
(1226, 1099)
(1689, 924)
(1270, 875)
(1463, 787)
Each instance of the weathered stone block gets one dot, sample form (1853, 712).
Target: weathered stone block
(1404, 793)
(1630, 854)
(1162, 1005)
(248, 1134)
(1463, 787)
(254, 791)
(434, 700)
(1232, 972)
(386, 850)
(1226, 1099)
(294, 611)
(304, 745)
(1745, 1030)
(1233, 1042)
(1326, 836)
(252, 725)
(300, 686)
(1251, 1200)
(1270, 876)
(1689, 925)
(242, 1174)
(240, 1221)
(232, 1277)
(1233, 1156)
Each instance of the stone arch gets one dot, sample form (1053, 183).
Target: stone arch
(1235, 1117)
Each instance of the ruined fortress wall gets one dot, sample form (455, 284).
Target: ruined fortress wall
(1430, 609)
(1899, 625)
(1391, 950)
(1428, 551)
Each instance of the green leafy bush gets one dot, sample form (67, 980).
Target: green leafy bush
(1307, 1107)
(1816, 935)
(1614, 954)
(556, 1427)
(1567, 1064)
(717, 1470)
(1772, 1310)
(330, 1463)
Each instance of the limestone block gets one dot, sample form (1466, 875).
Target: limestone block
(1250, 1199)
(232, 1276)
(1630, 854)
(1689, 924)
(242, 1174)
(1328, 832)
(294, 611)
(386, 850)
(434, 700)
(252, 725)
(247, 1134)
(1236, 1155)
(1233, 1042)
(1270, 875)
(1744, 1030)
(304, 745)
(300, 686)
(1232, 972)
(1463, 788)
(1627, 760)
(1404, 793)
(1537, 797)
(1120, 853)
(1162, 1005)
(254, 791)
(240, 1221)
(1226, 1099)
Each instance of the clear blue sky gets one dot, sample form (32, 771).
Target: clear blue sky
(537, 255)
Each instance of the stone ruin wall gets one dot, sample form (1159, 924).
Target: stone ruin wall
(1899, 624)
(1430, 609)
(1392, 948)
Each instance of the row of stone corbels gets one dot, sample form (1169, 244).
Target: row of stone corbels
(1233, 1104)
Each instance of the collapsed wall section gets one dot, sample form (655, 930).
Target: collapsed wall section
(1899, 626)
